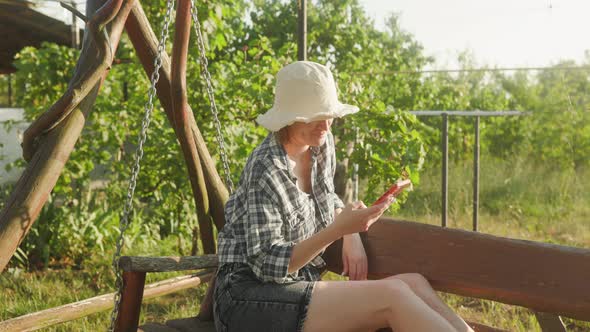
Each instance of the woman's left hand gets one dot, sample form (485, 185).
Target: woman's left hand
(354, 258)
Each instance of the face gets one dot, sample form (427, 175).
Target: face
(312, 134)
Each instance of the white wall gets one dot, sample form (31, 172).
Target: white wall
(12, 126)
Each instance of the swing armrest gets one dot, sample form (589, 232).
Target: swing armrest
(167, 263)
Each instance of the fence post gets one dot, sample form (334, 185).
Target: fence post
(445, 167)
(476, 175)
(302, 30)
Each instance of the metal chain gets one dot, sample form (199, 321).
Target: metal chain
(149, 106)
(207, 76)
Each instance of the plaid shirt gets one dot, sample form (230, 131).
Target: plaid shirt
(268, 214)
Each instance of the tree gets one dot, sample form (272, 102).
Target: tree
(243, 59)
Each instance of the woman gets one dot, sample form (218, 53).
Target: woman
(285, 213)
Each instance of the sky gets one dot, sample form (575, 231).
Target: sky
(501, 33)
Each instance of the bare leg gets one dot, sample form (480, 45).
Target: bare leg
(369, 305)
(422, 288)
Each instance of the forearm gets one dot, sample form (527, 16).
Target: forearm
(346, 237)
(306, 250)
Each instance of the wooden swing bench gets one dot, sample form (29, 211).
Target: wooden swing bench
(549, 279)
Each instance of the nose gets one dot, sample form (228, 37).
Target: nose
(325, 124)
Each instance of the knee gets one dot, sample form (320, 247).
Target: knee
(397, 288)
(399, 295)
(414, 280)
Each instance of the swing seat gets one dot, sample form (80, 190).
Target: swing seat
(193, 324)
(546, 278)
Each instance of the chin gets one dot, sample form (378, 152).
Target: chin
(319, 141)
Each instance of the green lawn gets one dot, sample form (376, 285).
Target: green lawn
(25, 292)
(543, 207)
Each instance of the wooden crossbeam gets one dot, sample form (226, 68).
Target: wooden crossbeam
(170, 263)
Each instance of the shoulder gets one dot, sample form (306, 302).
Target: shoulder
(265, 163)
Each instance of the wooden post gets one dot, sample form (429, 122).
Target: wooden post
(35, 184)
(445, 168)
(130, 306)
(75, 32)
(476, 175)
(145, 43)
(301, 30)
(182, 113)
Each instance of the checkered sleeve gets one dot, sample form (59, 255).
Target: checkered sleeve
(267, 251)
(338, 204)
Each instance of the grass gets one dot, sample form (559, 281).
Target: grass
(27, 292)
(518, 200)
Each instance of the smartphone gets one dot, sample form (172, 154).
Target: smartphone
(394, 190)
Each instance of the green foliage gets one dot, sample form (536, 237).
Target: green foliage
(5, 82)
(389, 141)
(82, 216)
(561, 121)
(244, 55)
(519, 195)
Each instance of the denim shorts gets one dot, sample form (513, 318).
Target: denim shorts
(244, 303)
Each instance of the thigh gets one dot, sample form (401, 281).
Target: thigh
(348, 306)
(246, 304)
(369, 305)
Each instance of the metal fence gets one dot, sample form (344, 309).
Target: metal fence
(445, 154)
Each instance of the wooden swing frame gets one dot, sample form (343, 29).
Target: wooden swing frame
(547, 278)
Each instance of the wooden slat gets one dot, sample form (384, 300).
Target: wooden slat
(193, 324)
(155, 327)
(543, 277)
(475, 326)
(549, 322)
(40, 24)
(68, 312)
(170, 263)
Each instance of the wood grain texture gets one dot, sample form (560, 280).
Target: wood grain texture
(145, 43)
(181, 115)
(192, 324)
(130, 306)
(170, 263)
(544, 277)
(549, 322)
(32, 190)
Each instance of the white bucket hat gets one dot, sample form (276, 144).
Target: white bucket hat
(305, 92)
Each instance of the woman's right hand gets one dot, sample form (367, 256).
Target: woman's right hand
(357, 217)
